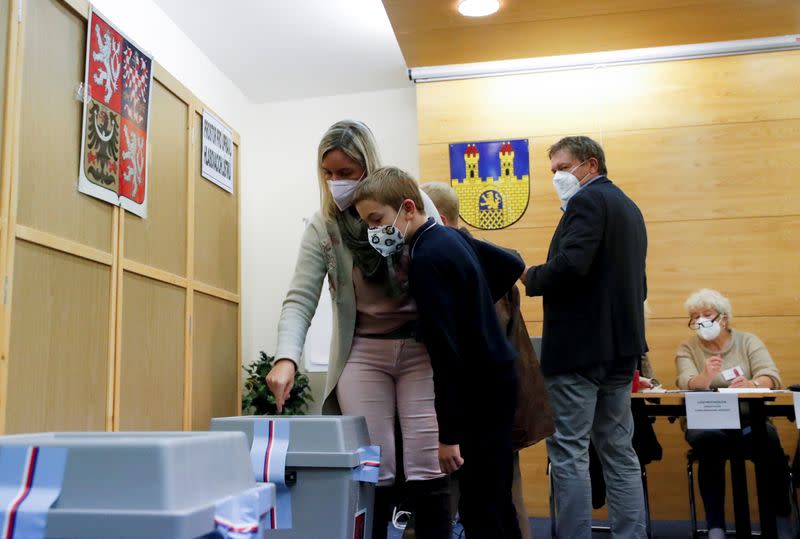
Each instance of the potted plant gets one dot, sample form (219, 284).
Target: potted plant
(259, 400)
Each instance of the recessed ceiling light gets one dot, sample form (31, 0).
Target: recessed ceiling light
(478, 8)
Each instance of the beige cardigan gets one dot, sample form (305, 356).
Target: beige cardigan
(322, 252)
(744, 350)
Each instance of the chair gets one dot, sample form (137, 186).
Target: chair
(692, 457)
(601, 529)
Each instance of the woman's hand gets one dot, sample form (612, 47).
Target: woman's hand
(645, 383)
(280, 381)
(450, 458)
(741, 381)
(713, 367)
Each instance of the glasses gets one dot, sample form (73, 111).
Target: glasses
(695, 324)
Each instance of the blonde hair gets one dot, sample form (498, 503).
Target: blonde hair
(356, 141)
(389, 186)
(445, 199)
(707, 298)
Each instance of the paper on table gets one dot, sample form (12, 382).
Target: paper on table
(712, 410)
(796, 397)
(744, 390)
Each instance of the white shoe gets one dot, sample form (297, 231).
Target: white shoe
(716, 533)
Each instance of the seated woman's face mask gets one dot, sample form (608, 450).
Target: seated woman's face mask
(387, 239)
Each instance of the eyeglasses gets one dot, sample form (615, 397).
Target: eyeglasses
(694, 323)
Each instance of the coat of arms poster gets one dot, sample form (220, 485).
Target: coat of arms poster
(114, 149)
(492, 180)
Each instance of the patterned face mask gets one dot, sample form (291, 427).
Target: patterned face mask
(387, 239)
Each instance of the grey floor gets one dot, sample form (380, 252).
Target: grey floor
(540, 527)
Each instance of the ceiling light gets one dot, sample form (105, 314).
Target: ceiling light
(478, 8)
(603, 59)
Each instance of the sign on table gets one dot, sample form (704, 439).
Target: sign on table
(712, 410)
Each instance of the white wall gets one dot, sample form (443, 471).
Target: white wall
(150, 28)
(282, 188)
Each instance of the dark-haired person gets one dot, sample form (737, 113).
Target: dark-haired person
(593, 288)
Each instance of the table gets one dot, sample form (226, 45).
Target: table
(761, 406)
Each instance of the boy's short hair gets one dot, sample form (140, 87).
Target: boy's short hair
(444, 198)
(390, 186)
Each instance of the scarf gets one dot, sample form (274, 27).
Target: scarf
(375, 268)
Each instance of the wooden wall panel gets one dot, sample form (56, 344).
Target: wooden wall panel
(50, 128)
(728, 254)
(643, 163)
(703, 147)
(622, 98)
(58, 365)
(4, 10)
(216, 221)
(160, 240)
(151, 388)
(216, 362)
(433, 33)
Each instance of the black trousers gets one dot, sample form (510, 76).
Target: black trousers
(712, 446)
(486, 505)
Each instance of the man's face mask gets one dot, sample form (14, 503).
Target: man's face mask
(387, 239)
(566, 183)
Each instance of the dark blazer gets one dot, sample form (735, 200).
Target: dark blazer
(593, 285)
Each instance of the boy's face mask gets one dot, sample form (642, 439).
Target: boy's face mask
(387, 239)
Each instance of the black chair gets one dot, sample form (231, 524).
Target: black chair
(692, 457)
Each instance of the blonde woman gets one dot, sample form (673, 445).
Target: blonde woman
(702, 363)
(377, 366)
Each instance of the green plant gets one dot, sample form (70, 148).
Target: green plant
(259, 400)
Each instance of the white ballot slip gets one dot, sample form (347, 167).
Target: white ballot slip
(712, 410)
(796, 397)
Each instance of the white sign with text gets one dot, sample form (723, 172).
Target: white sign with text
(217, 152)
(712, 410)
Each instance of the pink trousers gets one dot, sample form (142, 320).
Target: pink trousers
(384, 375)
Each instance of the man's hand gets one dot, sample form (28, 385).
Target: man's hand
(524, 277)
(450, 458)
(280, 381)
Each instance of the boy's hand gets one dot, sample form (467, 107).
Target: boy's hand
(450, 458)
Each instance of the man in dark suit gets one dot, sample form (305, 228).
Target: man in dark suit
(593, 287)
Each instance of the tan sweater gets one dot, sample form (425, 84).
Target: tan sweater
(744, 350)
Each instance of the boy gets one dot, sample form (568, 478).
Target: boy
(533, 421)
(474, 376)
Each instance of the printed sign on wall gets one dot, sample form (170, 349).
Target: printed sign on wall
(492, 180)
(217, 152)
(114, 152)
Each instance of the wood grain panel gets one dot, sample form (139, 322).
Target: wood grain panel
(4, 10)
(50, 128)
(216, 221)
(215, 366)
(683, 173)
(58, 361)
(607, 30)
(734, 89)
(160, 240)
(751, 260)
(151, 379)
(411, 16)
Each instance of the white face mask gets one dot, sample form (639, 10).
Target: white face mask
(342, 191)
(708, 329)
(566, 183)
(387, 239)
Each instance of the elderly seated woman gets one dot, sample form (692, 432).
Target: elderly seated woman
(702, 363)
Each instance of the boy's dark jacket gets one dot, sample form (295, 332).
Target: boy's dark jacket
(533, 420)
